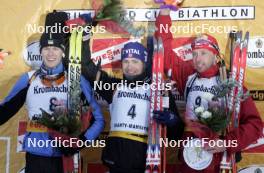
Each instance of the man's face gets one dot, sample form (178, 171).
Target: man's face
(203, 59)
(132, 66)
(51, 56)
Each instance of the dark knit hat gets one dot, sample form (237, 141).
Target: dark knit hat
(54, 20)
(52, 40)
(135, 50)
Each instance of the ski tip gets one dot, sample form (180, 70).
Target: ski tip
(155, 44)
(73, 35)
(169, 73)
(222, 63)
(246, 37)
(232, 34)
(238, 37)
(245, 41)
(160, 45)
(159, 39)
(74, 31)
(240, 33)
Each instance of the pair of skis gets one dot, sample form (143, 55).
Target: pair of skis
(74, 79)
(238, 61)
(74, 71)
(156, 155)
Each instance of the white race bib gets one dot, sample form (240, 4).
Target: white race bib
(130, 109)
(196, 96)
(47, 98)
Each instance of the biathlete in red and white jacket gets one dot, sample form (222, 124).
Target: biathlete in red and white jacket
(196, 78)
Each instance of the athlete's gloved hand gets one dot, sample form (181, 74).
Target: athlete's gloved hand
(167, 118)
(71, 150)
(171, 4)
(68, 151)
(55, 18)
(86, 17)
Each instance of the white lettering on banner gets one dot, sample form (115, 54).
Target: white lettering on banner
(184, 52)
(185, 13)
(111, 53)
(255, 57)
(198, 13)
(32, 56)
(215, 13)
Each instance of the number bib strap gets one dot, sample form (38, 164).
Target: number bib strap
(127, 135)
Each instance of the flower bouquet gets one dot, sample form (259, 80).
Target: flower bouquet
(212, 118)
(216, 116)
(67, 123)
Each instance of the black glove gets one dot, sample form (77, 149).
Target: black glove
(56, 19)
(71, 150)
(89, 69)
(167, 118)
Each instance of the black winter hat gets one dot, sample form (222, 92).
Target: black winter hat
(52, 39)
(54, 20)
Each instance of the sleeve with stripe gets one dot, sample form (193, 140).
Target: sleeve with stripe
(96, 128)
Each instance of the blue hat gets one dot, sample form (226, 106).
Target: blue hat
(135, 50)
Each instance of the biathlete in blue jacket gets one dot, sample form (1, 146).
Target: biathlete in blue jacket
(47, 89)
